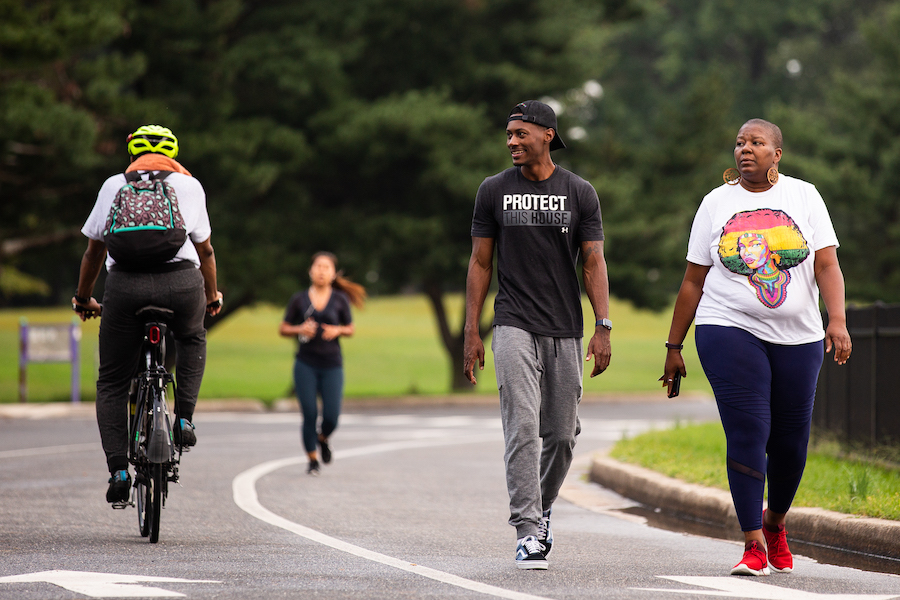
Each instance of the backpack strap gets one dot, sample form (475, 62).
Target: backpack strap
(132, 176)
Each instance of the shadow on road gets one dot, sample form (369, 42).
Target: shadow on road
(671, 521)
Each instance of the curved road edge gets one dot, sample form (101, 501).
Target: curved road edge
(879, 537)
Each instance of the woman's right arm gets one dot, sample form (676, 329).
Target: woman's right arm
(288, 330)
(685, 308)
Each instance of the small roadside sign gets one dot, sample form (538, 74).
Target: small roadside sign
(49, 342)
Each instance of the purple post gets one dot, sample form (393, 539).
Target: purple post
(74, 339)
(23, 359)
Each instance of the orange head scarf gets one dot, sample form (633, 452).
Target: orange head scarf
(156, 162)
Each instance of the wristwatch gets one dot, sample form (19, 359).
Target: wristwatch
(605, 322)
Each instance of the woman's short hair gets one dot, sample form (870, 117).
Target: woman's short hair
(773, 129)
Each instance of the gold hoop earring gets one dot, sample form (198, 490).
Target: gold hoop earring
(731, 176)
(772, 175)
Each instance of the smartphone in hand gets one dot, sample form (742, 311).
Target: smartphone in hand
(676, 385)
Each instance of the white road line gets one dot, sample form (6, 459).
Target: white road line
(49, 450)
(244, 490)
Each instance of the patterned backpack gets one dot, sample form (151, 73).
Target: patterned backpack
(144, 228)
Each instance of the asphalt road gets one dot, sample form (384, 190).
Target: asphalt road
(413, 506)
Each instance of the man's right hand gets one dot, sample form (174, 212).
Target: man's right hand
(215, 307)
(473, 351)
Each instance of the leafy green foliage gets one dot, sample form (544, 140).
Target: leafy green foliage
(365, 127)
(850, 147)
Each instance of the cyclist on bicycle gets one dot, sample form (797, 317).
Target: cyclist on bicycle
(185, 284)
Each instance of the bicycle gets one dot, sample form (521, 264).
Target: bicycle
(151, 447)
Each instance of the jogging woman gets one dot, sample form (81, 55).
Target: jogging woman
(318, 317)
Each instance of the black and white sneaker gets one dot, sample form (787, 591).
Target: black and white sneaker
(313, 468)
(545, 532)
(530, 554)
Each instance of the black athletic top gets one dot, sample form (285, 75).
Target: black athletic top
(538, 227)
(318, 352)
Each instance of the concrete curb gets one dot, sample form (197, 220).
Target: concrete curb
(879, 537)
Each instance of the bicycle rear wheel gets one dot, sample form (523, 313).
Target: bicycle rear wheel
(144, 493)
(158, 481)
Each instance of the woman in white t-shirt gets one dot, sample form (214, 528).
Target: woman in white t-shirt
(762, 249)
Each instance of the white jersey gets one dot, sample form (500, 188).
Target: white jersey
(761, 249)
(191, 204)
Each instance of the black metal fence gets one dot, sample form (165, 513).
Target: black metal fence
(860, 400)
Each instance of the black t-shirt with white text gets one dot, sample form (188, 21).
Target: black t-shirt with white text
(538, 228)
(317, 352)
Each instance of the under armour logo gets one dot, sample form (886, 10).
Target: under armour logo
(565, 230)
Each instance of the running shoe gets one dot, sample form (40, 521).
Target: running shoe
(119, 487)
(545, 532)
(184, 434)
(326, 450)
(313, 468)
(530, 554)
(780, 557)
(753, 563)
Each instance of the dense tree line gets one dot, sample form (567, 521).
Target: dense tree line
(365, 127)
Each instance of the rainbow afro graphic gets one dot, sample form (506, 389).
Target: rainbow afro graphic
(782, 236)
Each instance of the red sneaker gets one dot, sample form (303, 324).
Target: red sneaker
(753, 563)
(779, 554)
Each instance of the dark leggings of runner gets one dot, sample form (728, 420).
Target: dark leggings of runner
(765, 394)
(328, 383)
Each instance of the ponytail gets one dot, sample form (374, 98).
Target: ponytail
(354, 291)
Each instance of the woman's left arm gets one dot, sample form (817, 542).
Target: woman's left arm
(345, 327)
(830, 280)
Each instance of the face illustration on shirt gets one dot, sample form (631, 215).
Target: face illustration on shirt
(763, 244)
(754, 250)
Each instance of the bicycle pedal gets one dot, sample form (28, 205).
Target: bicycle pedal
(121, 505)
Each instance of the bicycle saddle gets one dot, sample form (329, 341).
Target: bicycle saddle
(155, 313)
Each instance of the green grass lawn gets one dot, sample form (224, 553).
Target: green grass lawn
(832, 480)
(396, 352)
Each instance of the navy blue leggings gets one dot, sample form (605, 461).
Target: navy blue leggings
(765, 393)
(310, 382)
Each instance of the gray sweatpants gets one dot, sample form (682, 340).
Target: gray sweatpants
(540, 383)
(121, 335)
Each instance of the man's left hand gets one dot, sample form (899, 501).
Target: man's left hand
(600, 349)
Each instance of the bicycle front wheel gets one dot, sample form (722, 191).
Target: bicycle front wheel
(143, 489)
(158, 482)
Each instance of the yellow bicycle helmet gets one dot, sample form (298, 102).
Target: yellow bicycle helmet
(153, 138)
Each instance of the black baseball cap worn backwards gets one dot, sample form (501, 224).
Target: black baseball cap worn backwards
(533, 111)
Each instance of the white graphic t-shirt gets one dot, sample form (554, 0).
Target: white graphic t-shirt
(761, 249)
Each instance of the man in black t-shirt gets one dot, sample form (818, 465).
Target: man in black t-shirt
(540, 217)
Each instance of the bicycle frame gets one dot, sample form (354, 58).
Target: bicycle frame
(151, 447)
